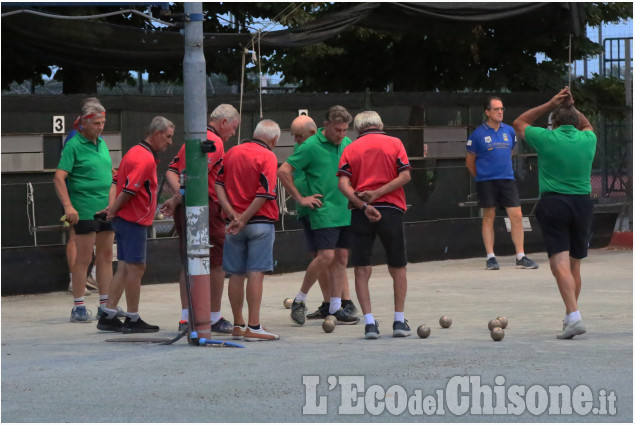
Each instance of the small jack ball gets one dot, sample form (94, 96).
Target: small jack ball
(497, 334)
(328, 326)
(445, 322)
(287, 302)
(494, 323)
(423, 331)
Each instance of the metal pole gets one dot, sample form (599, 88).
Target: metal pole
(196, 201)
(627, 72)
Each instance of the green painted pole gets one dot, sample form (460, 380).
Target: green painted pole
(196, 198)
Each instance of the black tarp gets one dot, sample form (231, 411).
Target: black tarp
(101, 45)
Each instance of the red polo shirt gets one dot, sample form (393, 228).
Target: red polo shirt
(137, 176)
(373, 160)
(249, 171)
(214, 161)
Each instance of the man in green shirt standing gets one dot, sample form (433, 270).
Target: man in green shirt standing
(318, 158)
(565, 157)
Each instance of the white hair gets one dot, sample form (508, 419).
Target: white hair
(267, 130)
(367, 119)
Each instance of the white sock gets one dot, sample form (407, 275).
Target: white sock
(369, 319)
(520, 256)
(133, 316)
(184, 314)
(103, 299)
(215, 316)
(399, 317)
(573, 317)
(336, 304)
(79, 301)
(110, 313)
(93, 273)
(490, 255)
(301, 297)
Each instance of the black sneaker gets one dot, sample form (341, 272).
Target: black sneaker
(526, 263)
(137, 327)
(222, 326)
(371, 331)
(320, 313)
(345, 319)
(492, 264)
(109, 325)
(298, 312)
(400, 328)
(349, 307)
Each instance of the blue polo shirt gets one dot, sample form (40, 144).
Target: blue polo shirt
(493, 149)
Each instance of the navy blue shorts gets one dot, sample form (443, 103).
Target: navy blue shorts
(332, 237)
(565, 221)
(131, 241)
(83, 227)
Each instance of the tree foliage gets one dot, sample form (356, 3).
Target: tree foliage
(490, 57)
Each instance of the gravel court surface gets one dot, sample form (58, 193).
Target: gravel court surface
(57, 371)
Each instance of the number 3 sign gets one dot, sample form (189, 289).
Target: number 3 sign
(58, 124)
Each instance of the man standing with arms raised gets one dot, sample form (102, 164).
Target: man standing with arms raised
(565, 158)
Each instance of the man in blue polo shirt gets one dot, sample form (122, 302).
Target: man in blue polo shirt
(489, 160)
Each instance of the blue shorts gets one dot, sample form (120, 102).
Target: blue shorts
(131, 240)
(251, 250)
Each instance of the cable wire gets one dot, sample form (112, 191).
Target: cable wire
(102, 15)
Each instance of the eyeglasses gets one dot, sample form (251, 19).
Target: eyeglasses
(497, 109)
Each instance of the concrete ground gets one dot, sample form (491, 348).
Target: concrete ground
(57, 371)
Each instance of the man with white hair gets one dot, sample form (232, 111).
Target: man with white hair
(372, 172)
(246, 189)
(222, 125)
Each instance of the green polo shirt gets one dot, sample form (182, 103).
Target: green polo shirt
(318, 159)
(89, 174)
(565, 157)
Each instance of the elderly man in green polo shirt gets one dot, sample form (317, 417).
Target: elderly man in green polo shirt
(318, 158)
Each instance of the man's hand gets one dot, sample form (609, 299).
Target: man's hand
(236, 225)
(169, 206)
(71, 215)
(372, 214)
(312, 201)
(368, 196)
(563, 97)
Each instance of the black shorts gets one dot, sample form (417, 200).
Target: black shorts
(305, 222)
(84, 227)
(332, 237)
(390, 232)
(497, 193)
(565, 221)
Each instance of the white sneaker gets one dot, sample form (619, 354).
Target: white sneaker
(572, 329)
(91, 284)
(259, 335)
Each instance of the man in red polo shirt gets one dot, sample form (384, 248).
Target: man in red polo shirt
(372, 172)
(131, 213)
(222, 125)
(246, 189)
